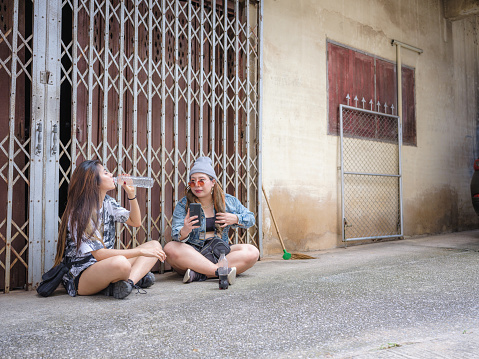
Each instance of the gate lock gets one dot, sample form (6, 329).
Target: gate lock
(38, 147)
(54, 139)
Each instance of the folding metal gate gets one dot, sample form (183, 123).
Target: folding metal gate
(28, 139)
(371, 183)
(146, 87)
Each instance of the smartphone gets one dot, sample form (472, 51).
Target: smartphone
(195, 210)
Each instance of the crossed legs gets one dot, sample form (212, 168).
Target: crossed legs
(99, 275)
(182, 256)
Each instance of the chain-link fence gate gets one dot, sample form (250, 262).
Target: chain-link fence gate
(371, 184)
(146, 86)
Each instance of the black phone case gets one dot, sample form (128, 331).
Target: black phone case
(195, 210)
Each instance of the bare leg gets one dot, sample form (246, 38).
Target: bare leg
(99, 275)
(142, 265)
(242, 256)
(182, 256)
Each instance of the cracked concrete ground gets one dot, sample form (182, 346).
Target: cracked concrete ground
(411, 298)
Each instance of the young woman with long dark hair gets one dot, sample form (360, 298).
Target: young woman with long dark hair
(219, 212)
(87, 236)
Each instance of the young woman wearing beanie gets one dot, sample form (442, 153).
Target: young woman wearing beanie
(219, 212)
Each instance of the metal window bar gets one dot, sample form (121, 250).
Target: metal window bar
(213, 81)
(224, 95)
(136, 70)
(371, 175)
(149, 117)
(11, 142)
(236, 102)
(163, 120)
(189, 99)
(176, 88)
(259, 127)
(74, 82)
(90, 80)
(202, 80)
(121, 92)
(52, 118)
(105, 84)
(248, 109)
(36, 245)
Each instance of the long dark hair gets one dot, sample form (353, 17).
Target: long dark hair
(82, 207)
(218, 200)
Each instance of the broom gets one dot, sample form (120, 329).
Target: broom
(286, 255)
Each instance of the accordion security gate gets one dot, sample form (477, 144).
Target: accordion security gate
(371, 184)
(144, 86)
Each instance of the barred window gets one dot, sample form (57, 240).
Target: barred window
(372, 78)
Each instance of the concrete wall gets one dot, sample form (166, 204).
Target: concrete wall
(300, 160)
(459, 9)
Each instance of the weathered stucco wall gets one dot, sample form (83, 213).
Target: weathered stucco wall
(300, 160)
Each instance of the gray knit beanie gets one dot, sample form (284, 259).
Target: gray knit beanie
(203, 165)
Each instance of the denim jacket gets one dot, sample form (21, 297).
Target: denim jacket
(233, 205)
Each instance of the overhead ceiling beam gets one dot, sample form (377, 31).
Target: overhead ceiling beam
(459, 9)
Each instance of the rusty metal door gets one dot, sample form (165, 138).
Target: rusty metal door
(15, 59)
(146, 87)
(29, 125)
(151, 85)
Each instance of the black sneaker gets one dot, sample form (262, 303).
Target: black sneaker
(192, 276)
(147, 281)
(231, 275)
(119, 290)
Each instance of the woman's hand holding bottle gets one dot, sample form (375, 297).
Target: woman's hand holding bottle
(130, 190)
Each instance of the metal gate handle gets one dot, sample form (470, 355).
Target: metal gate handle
(38, 147)
(54, 139)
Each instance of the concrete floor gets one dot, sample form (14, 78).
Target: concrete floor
(412, 298)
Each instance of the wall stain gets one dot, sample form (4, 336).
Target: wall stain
(437, 211)
(306, 222)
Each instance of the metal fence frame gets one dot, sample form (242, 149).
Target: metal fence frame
(345, 172)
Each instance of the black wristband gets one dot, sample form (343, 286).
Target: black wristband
(131, 199)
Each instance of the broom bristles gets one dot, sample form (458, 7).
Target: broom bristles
(301, 256)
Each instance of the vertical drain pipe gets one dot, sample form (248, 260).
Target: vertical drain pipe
(400, 113)
(400, 44)
(399, 81)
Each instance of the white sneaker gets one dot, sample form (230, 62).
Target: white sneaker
(232, 276)
(192, 276)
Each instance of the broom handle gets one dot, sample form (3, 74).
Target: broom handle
(274, 221)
